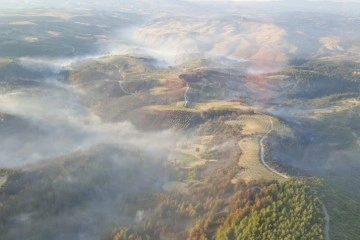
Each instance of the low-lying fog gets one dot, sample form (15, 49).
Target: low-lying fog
(42, 116)
(50, 121)
(53, 117)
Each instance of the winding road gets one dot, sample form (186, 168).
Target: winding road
(262, 152)
(185, 95)
(262, 158)
(71, 47)
(123, 76)
(122, 88)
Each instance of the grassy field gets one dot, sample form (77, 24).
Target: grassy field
(204, 107)
(195, 146)
(179, 106)
(6, 60)
(224, 105)
(260, 124)
(3, 180)
(185, 160)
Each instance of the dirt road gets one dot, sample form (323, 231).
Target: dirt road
(262, 152)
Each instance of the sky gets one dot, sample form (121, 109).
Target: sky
(272, 0)
(146, 5)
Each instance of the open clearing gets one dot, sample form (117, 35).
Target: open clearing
(189, 152)
(254, 124)
(340, 106)
(3, 180)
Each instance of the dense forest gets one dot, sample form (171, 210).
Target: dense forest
(256, 210)
(314, 79)
(288, 211)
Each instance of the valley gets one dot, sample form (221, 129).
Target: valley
(126, 125)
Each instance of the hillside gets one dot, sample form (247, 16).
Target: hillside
(159, 121)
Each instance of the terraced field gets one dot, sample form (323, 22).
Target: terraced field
(256, 129)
